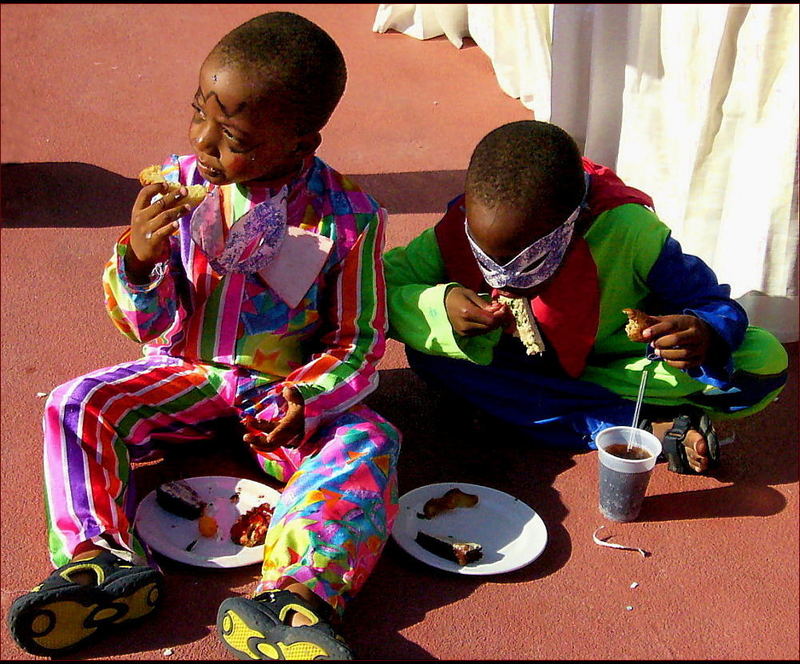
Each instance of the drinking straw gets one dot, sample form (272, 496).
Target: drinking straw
(638, 408)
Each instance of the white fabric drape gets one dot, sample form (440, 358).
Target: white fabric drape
(695, 104)
(516, 38)
(698, 106)
(588, 76)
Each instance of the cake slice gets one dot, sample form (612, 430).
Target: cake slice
(450, 548)
(179, 498)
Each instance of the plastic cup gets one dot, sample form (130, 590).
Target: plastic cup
(623, 481)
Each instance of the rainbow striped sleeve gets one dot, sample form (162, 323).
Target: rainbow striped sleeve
(345, 371)
(141, 312)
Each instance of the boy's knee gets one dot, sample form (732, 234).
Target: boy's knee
(384, 436)
(362, 423)
(61, 394)
(761, 354)
(391, 436)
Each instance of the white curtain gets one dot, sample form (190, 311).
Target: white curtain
(695, 104)
(698, 106)
(516, 38)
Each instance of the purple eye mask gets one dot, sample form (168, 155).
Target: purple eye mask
(533, 265)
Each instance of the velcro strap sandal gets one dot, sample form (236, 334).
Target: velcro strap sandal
(60, 614)
(673, 443)
(683, 420)
(260, 628)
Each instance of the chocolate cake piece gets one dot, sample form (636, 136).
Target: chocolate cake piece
(180, 499)
(450, 548)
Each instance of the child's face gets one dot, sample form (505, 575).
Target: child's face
(237, 137)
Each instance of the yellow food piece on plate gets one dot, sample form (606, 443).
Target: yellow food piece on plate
(207, 526)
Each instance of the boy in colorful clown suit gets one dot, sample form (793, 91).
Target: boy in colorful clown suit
(266, 303)
(540, 222)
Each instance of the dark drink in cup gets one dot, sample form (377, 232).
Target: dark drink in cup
(626, 459)
(625, 452)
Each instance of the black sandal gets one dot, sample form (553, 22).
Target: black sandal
(256, 629)
(674, 451)
(60, 615)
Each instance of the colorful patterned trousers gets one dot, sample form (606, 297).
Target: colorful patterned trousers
(335, 512)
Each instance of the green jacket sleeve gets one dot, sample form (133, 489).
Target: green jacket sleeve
(416, 287)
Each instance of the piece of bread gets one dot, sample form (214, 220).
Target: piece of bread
(180, 499)
(155, 174)
(526, 329)
(638, 321)
(450, 548)
(449, 501)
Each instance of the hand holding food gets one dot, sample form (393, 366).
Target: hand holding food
(682, 341)
(195, 193)
(638, 322)
(154, 219)
(470, 314)
(526, 328)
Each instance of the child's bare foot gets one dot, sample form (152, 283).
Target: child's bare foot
(296, 618)
(696, 445)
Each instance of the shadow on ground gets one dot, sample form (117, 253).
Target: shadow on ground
(757, 461)
(78, 195)
(444, 440)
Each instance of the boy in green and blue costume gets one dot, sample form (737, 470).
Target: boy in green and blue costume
(540, 221)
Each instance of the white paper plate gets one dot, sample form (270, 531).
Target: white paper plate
(170, 534)
(511, 533)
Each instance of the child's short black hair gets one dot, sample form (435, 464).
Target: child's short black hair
(535, 166)
(294, 58)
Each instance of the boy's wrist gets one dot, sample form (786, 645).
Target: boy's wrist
(138, 272)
